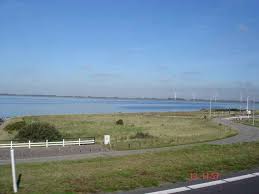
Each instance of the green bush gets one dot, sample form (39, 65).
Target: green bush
(38, 131)
(141, 135)
(119, 122)
(10, 128)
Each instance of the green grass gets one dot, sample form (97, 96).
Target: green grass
(163, 129)
(129, 172)
(4, 135)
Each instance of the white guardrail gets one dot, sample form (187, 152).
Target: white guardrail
(63, 143)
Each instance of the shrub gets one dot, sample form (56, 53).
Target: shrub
(10, 128)
(119, 122)
(141, 135)
(1, 120)
(38, 131)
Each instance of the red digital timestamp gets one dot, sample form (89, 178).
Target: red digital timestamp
(205, 176)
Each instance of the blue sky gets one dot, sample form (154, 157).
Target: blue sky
(133, 48)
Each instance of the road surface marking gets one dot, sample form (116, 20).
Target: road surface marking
(208, 184)
(176, 190)
(239, 178)
(202, 185)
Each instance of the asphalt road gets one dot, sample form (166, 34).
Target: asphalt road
(244, 186)
(247, 186)
(245, 133)
(110, 153)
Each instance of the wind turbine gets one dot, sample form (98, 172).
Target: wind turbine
(193, 96)
(247, 103)
(241, 100)
(215, 97)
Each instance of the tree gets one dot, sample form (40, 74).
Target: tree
(38, 131)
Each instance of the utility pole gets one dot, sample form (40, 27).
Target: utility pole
(210, 108)
(254, 111)
(247, 103)
(241, 100)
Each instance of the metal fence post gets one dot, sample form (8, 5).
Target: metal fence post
(13, 171)
(79, 141)
(47, 143)
(29, 144)
(63, 143)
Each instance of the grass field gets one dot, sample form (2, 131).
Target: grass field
(129, 172)
(3, 134)
(140, 130)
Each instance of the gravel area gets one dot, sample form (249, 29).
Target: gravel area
(26, 153)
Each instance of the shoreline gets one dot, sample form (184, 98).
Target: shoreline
(123, 98)
(217, 110)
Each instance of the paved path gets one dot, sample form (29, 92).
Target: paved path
(106, 153)
(246, 134)
(55, 151)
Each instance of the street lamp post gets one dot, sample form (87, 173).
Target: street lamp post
(247, 103)
(241, 99)
(210, 108)
(254, 111)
